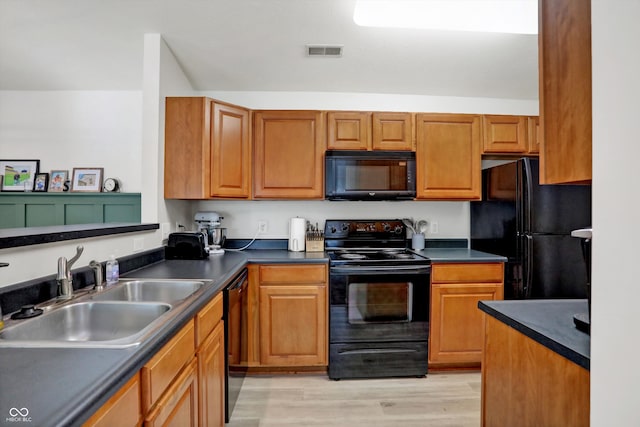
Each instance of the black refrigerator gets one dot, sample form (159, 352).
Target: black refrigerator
(531, 225)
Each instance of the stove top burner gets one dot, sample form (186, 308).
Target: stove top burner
(352, 256)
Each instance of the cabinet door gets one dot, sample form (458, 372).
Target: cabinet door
(564, 49)
(293, 325)
(179, 405)
(289, 154)
(456, 326)
(348, 130)
(187, 151)
(448, 157)
(392, 131)
(533, 139)
(504, 134)
(230, 152)
(123, 409)
(211, 371)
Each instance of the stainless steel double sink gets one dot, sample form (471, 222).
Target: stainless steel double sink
(122, 315)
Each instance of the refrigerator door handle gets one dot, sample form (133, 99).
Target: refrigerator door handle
(528, 189)
(529, 272)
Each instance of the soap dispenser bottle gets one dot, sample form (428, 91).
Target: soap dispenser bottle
(113, 270)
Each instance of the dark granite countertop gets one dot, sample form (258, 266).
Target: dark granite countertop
(459, 255)
(64, 386)
(548, 322)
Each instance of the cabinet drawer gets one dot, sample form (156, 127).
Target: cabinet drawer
(208, 318)
(123, 409)
(179, 406)
(296, 274)
(160, 371)
(467, 272)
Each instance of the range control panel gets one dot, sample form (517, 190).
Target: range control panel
(345, 229)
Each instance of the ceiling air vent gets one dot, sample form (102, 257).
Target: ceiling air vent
(324, 50)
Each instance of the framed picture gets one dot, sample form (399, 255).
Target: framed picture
(41, 182)
(18, 174)
(56, 182)
(87, 180)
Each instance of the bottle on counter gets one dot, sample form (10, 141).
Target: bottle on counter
(113, 270)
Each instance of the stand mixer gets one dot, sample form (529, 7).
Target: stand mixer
(209, 224)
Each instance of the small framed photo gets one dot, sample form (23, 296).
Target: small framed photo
(42, 182)
(87, 180)
(18, 174)
(57, 179)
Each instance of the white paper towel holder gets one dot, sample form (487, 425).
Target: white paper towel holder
(297, 234)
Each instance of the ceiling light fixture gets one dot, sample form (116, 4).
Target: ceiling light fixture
(494, 16)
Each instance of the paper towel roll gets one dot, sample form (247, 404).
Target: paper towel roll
(297, 232)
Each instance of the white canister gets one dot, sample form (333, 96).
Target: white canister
(417, 242)
(297, 234)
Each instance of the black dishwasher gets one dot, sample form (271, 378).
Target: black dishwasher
(234, 319)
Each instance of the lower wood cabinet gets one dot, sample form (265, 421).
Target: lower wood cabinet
(211, 371)
(456, 324)
(123, 409)
(181, 385)
(526, 384)
(289, 325)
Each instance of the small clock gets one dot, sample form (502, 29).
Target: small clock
(111, 185)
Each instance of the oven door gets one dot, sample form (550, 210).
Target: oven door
(379, 304)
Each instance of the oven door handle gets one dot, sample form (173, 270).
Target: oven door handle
(395, 269)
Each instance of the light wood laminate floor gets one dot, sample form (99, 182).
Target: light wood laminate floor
(438, 400)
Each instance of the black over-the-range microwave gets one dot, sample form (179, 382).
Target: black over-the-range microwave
(370, 175)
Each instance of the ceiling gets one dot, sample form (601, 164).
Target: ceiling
(253, 45)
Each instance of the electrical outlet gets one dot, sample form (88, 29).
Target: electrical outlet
(262, 226)
(166, 229)
(434, 227)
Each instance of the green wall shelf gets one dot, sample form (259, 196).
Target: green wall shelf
(46, 209)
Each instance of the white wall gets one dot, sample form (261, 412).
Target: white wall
(67, 129)
(241, 218)
(376, 102)
(615, 336)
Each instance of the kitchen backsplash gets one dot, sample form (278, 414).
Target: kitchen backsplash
(451, 219)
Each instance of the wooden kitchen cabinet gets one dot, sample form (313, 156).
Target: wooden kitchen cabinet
(207, 149)
(533, 135)
(564, 62)
(211, 366)
(179, 405)
(159, 372)
(348, 130)
(526, 384)
(456, 327)
(448, 157)
(504, 134)
(123, 409)
(289, 154)
(211, 372)
(362, 130)
(293, 315)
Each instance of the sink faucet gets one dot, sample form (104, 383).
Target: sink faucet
(65, 285)
(97, 274)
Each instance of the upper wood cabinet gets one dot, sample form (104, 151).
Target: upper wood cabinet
(289, 154)
(230, 152)
(348, 130)
(361, 130)
(504, 134)
(392, 131)
(564, 49)
(207, 149)
(533, 135)
(448, 156)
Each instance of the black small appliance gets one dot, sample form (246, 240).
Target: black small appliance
(186, 245)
